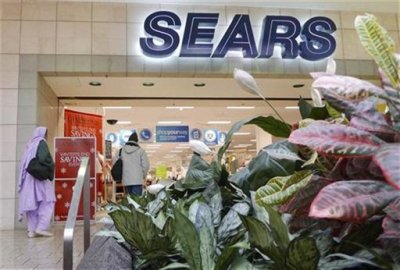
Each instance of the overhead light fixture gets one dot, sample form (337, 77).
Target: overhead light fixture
(153, 145)
(239, 146)
(183, 147)
(150, 151)
(111, 121)
(124, 122)
(292, 107)
(241, 133)
(218, 122)
(240, 107)
(245, 144)
(117, 107)
(253, 140)
(176, 151)
(94, 83)
(199, 84)
(299, 85)
(169, 122)
(252, 150)
(181, 108)
(147, 84)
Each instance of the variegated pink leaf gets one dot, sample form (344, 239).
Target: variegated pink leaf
(391, 228)
(367, 118)
(336, 140)
(352, 200)
(393, 209)
(301, 202)
(388, 159)
(347, 87)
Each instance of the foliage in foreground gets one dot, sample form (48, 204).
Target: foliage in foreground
(326, 198)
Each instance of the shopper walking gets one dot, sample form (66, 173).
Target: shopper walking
(135, 165)
(36, 196)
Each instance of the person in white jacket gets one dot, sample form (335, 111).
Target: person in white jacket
(135, 165)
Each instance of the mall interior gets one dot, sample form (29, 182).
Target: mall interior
(138, 66)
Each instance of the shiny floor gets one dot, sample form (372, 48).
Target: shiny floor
(17, 251)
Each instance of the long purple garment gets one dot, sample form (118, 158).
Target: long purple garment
(33, 191)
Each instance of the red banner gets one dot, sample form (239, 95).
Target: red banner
(78, 124)
(68, 155)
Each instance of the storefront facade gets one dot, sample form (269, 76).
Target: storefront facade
(49, 38)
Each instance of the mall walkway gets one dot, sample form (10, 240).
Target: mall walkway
(17, 251)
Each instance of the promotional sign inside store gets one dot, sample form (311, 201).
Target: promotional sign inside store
(68, 156)
(172, 134)
(79, 124)
(211, 136)
(311, 41)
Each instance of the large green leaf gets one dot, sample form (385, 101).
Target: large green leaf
(200, 215)
(302, 254)
(280, 189)
(262, 239)
(188, 239)
(379, 45)
(231, 225)
(308, 111)
(352, 200)
(141, 233)
(269, 124)
(336, 140)
(199, 174)
(388, 159)
(277, 159)
(229, 254)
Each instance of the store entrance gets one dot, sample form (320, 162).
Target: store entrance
(204, 108)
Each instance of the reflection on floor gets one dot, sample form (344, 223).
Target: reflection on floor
(17, 251)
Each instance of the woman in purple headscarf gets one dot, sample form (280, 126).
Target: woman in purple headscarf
(36, 197)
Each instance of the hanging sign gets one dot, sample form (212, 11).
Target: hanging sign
(172, 133)
(311, 41)
(211, 136)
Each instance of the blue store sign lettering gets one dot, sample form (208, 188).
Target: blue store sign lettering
(316, 42)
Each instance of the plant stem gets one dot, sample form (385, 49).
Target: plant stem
(272, 107)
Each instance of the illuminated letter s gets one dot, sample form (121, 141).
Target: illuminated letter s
(169, 37)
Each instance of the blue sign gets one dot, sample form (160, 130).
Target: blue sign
(211, 136)
(195, 134)
(145, 134)
(113, 137)
(172, 133)
(221, 137)
(317, 41)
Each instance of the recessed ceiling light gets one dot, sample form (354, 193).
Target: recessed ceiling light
(181, 108)
(292, 107)
(252, 150)
(169, 122)
(176, 151)
(95, 83)
(182, 147)
(117, 107)
(150, 151)
(124, 122)
(299, 85)
(240, 107)
(253, 140)
(241, 133)
(152, 145)
(217, 122)
(148, 84)
(199, 84)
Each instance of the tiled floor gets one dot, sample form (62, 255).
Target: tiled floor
(17, 251)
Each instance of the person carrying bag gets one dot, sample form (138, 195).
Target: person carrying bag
(36, 191)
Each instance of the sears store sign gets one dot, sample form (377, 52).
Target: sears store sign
(311, 41)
